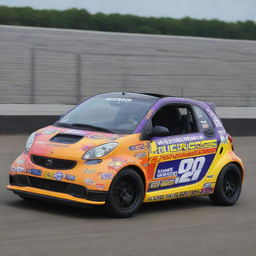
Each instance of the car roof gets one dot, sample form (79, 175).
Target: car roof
(137, 95)
(154, 97)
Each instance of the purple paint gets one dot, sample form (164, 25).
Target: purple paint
(165, 101)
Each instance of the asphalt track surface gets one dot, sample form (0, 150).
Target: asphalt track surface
(181, 227)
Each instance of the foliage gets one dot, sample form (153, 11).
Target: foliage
(82, 19)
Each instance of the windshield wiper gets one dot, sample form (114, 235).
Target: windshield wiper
(80, 125)
(64, 125)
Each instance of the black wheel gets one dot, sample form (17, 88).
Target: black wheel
(126, 194)
(228, 186)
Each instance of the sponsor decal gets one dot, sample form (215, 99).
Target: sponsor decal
(161, 184)
(89, 181)
(140, 155)
(119, 99)
(168, 172)
(163, 158)
(100, 186)
(173, 148)
(50, 175)
(35, 172)
(115, 137)
(215, 119)
(179, 139)
(116, 163)
(93, 161)
(207, 191)
(223, 136)
(137, 147)
(184, 171)
(12, 169)
(89, 171)
(208, 185)
(155, 198)
(75, 132)
(154, 185)
(149, 114)
(98, 137)
(207, 188)
(18, 169)
(190, 169)
(107, 176)
(70, 177)
(167, 183)
(58, 176)
(87, 147)
(51, 144)
(20, 161)
(48, 132)
(183, 194)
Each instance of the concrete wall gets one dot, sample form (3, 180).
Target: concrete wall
(52, 66)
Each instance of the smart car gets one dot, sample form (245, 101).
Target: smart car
(121, 149)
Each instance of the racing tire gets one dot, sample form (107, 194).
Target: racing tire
(126, 194)
(228, 186)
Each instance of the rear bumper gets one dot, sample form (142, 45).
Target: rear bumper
(55, 196)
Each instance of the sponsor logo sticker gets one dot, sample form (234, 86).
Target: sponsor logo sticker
(137, 147)
(100, 186)
(58, 176)
(89, 171)
(20, 169)
(70, 177)
(89, 181)
(119, 99)
(35, 172)
(106, 176)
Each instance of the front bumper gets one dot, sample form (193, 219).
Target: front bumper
(38, 187)
(52, 199)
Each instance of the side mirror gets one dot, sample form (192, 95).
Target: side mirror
(149, 131)
(159, 131)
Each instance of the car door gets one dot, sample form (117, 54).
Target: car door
(185, 156)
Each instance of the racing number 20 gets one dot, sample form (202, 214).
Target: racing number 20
(190, 169)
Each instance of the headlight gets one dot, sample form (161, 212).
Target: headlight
(99, 151)
(30, 142)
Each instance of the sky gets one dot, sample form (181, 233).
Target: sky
(227, 10)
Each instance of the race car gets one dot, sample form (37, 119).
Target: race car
(121, 149)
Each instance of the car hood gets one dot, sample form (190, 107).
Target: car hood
(58, 142)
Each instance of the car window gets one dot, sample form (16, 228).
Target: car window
(177, 118)
(117, 114)
(204, 121)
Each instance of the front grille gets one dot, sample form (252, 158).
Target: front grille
(51, 185)
(53, 163)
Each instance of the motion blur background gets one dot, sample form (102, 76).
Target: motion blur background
(82, 52)
(55, 53)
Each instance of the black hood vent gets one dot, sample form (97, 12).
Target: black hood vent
(66, 138)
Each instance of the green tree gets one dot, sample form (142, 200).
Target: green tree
(82, 19)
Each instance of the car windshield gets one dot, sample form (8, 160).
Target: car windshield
(108, 113)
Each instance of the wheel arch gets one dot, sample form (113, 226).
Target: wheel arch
(139, 171)
(240, 167)
(237, 164)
